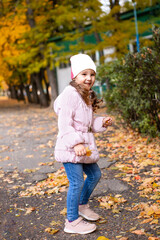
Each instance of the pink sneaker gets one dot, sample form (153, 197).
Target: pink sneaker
(87, 213)
(79, 226)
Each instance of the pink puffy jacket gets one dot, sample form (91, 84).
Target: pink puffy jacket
(75, 119)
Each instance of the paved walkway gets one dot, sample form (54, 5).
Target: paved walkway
(27, 138)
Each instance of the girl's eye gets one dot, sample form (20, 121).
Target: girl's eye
(84, 74)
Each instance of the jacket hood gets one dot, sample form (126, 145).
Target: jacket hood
(57, 104)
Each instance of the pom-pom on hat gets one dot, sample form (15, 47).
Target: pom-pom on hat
(80, 62)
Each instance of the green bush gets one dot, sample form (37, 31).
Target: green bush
(136, 91)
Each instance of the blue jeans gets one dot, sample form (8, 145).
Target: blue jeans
(79, 190)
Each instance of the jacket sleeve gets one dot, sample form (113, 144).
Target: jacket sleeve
(97, 125)
(66, 109)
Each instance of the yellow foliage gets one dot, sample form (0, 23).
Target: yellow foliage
(12, 28)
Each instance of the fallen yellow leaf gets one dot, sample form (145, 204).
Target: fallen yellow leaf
(102, 220)
(155, 221)
(138, 232)
(64, 211)
(88, 152)
(53, 223)
(102, 238)
(51, 230)
(146, 220)
(29, 170)
(102, 155)
(29, 210)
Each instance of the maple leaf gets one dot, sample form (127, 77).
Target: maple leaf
(155, 221)
(51, 230)
(149, 211)
(88, 152)
(29, 210)
(102, 238)
(64, 211)
(102, 220)
(137, 177)
(147, 220)
(139, 232)
(110, 202)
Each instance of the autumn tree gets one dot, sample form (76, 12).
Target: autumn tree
(11, 28)
(107, 29)
(40, 58)
(118, 33)
(36, 32)
(27, 64)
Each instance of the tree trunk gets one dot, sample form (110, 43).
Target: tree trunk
(81, 29)
(112, 4)
(107, 84)
(46, 84)
(28, 93)
(37, 76)
(101, 53)
(34, 90)
(1, 8)
(43, 98)
(30, 15)
(53, 84)
(21, 93)
(13, 92)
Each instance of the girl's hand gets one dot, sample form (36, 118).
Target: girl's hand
(107, 122)
(80, 150)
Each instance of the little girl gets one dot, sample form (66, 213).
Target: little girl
(74, 107)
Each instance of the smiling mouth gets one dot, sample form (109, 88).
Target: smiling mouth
(88, 83)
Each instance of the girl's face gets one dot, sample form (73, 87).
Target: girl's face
(86, 78)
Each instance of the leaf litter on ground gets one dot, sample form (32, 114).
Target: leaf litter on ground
(137, 164)
(55, 183)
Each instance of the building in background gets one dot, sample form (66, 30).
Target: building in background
(63, 71)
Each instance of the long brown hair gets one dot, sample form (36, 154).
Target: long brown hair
(89, 97)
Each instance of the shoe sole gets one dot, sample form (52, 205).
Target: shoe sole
(86, 232)
(90, 219)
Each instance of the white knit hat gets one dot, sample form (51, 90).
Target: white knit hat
(80, 62)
